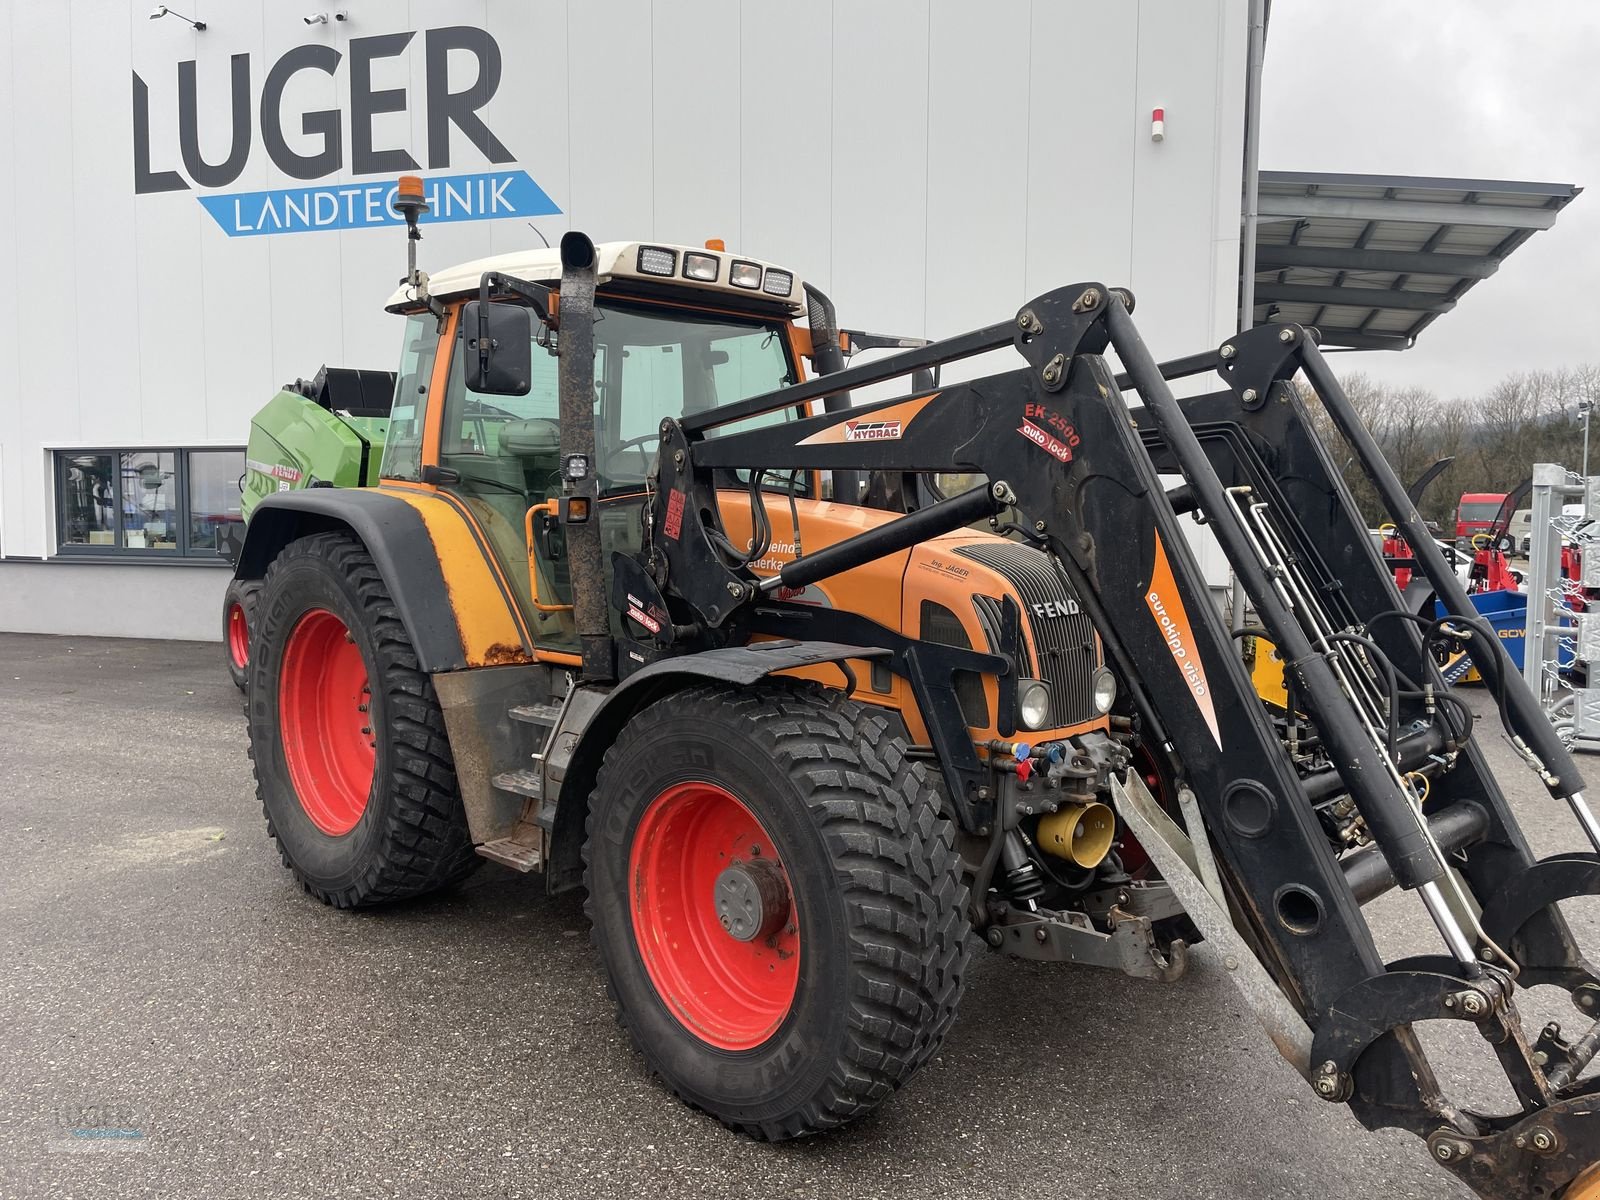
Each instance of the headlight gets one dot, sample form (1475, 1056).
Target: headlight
(1105, 691)
(700, 266)
(657, 260)
(745, 275)
(778, 283)
(1033, 703)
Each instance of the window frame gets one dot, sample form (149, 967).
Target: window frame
(182, 553)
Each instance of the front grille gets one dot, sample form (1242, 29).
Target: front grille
(1063, 636)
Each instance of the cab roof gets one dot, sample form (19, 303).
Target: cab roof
(622, 261)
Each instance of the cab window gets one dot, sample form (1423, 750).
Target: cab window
(651, 364)
(402, 451)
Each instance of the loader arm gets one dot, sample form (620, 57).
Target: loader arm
(1391, 750)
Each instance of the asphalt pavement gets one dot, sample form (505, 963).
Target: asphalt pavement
(177, 1019)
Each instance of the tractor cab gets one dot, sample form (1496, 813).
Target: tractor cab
(679, 330)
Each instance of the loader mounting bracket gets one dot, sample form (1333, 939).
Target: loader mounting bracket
(1539, 1155)
(1415, 990)
(1543, 959)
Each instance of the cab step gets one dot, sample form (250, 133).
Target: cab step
(523, 783)
(516, 853)
(537, 714)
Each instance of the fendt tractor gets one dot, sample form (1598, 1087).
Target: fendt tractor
(598, 615)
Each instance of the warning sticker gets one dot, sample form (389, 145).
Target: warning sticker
(673, 525)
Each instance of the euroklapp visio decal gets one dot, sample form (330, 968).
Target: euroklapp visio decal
(478, 196)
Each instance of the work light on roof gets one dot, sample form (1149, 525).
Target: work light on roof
(700, 266)
(745, 275)
(777, 283)
(657, 260)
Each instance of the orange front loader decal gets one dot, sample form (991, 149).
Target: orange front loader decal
(875, 425)
(1173, 620)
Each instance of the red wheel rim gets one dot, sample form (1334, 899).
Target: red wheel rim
(731, 993)
(326, 730)
(238, 637)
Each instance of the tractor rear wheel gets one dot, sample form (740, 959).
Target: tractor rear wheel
(777, 903)
(352, 762)
(238, 615)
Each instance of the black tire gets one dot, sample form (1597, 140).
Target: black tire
(241, 597)
(882, 906)
(411, 838)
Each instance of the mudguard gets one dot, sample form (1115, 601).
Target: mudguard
(396, 536)
(596, 715)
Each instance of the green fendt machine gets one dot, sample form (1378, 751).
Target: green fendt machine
(327, 431)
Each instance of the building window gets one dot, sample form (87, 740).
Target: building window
(148, 504)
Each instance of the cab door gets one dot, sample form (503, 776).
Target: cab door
(500, 457)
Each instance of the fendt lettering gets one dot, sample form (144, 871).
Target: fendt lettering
(1057, 608)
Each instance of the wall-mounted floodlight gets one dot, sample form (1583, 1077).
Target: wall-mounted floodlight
(161, 10)
(322, 18)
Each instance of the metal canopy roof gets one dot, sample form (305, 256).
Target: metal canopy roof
(1371, 260)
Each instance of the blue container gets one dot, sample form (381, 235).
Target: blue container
(1507, 614)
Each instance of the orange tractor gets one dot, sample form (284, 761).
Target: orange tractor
(601, 620)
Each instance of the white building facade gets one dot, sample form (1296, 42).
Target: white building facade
(199, 216)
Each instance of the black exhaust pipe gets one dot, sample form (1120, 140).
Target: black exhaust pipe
(829, 359)
(579, 481)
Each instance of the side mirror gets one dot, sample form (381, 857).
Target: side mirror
(499, 347)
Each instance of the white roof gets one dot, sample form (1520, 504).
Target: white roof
(613, 260)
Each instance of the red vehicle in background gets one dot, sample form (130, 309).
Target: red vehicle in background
(1476, 513)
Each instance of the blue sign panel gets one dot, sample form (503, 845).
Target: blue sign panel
(491, 196)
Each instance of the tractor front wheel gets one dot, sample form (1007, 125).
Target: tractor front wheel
(777, 903)
(352, 762)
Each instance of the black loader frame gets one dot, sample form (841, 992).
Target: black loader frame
(1389, 746)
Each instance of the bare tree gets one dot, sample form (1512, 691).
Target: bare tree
(1493, 438)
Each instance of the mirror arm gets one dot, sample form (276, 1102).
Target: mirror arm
(536, 294)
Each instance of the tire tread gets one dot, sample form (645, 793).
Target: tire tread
(425, 845)
(894, 860)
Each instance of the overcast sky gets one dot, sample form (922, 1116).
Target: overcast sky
(1468, 88)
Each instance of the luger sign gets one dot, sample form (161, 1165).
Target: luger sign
(472, 197)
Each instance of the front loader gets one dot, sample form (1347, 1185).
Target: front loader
(798, 749)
